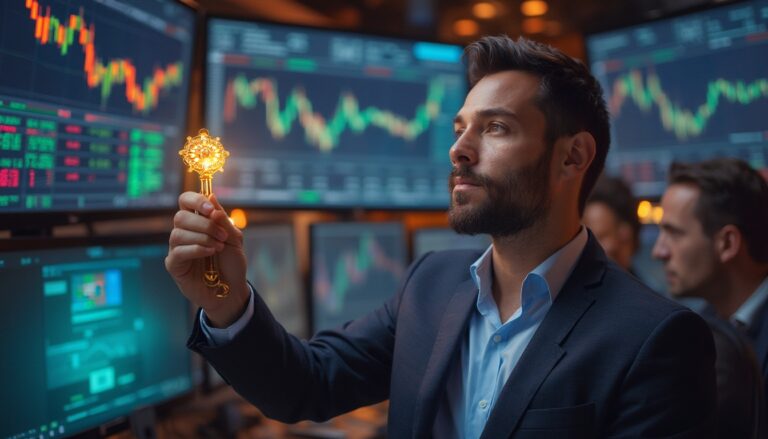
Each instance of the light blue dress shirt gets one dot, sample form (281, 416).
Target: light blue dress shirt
(491, 349)
(747, 312)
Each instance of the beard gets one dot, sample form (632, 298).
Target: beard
(514, 204)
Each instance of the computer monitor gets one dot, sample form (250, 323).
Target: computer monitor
(438, 239)
(686, 88)
(93, 105)
(324, 118)
(274, 272)
(91, 330)
(355, 268)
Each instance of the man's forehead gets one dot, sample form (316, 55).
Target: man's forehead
(680, 199)
(515, 91)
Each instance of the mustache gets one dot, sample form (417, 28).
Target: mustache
(467, 173)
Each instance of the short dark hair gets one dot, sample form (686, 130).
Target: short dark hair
(617, 196)
(569, 96)
(731, 192)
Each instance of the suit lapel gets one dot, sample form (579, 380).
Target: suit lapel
(452, 327)
(544, 350)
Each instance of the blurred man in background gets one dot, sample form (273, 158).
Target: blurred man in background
(714, 245)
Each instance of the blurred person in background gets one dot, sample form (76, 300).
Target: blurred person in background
(714, 245)
(611, 214)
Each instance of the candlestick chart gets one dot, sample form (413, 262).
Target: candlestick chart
(353, 271)
(323, 114)
(669, 102)
(91, 95)
(326, 118)
(687, 88)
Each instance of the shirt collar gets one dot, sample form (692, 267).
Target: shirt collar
(547, 278)
(747, 312)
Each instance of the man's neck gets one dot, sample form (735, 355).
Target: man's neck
(516, 256)
(739, 287)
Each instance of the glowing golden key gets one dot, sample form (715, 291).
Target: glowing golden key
(206, 156)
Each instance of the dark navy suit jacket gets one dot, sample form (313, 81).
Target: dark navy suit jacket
(611, 358)
(759, 336)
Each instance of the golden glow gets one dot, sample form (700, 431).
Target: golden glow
(644, 210)
(204, 154)
(649, 213)
(657, 214)
(484, 10)
(533, 25)
(238, 218)
(465, 27)
(534, 8)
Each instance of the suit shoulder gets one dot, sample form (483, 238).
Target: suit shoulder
(632, 299)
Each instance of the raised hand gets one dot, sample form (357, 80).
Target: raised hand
(196, 236)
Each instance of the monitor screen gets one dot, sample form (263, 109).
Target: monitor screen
(92, 332)
(321, 118)
(686, 89)
(356, 267)
(438, 239)
(93, 104)
(274, 273)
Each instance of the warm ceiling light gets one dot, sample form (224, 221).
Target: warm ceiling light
(534, 8)
(465, 27)
(484, 10)
(533, 25)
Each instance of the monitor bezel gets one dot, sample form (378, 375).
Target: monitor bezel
(603, 27)
(362, 33)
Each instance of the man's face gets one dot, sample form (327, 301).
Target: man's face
(500, 182)
(614, 235)
(689, 257)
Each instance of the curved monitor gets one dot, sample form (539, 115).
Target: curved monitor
(686, 88)
(93, 104)
(322, 118)
(94, 331)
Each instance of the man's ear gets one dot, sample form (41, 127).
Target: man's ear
(728, 242)
(579, 153)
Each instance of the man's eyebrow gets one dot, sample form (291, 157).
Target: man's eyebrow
(488, 113)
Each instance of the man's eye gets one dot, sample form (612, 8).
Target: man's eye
(495, 127)
(458, 132)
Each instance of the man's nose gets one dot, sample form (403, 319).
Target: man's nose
(464, 151)
(660, 250)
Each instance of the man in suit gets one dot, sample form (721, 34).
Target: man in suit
(539, 336)
(714, 243)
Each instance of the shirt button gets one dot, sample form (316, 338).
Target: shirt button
(497, 338)
(483, 404)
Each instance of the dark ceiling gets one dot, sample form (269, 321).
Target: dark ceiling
(435, 19)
